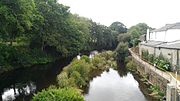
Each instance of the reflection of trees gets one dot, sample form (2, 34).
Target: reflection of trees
(42, 76)
(1, 97)
(121, 69)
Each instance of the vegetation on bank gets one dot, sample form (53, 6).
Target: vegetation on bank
(152, 90)
(78, 74)
(160, 62)
(57, 94)
(35, 31)
(12, 57)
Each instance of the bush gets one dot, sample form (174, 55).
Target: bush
(65, 94)
(86, 58)
(81, 67)
(161, 62)
(75, 74)
(156, 91)
(78, 79)
(65, 81)
(130, 65)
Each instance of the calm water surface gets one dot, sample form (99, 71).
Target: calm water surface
(113, 85)
(20, 84)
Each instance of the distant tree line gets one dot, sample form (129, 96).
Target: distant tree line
(38, 31)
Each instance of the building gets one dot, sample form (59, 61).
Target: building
(165, 41)
(168, 33)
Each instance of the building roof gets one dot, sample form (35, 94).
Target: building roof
(170, 45)
(167, 27)
(160, 44)
(152, 43)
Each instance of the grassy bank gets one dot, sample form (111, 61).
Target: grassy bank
(79, 72)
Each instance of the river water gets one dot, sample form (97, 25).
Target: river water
(20, 84)
(112, 85)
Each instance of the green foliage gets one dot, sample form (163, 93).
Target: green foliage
(156, 92)
(161, 62)
(65, 94)
(38, 30)
(16, 18)
(136, 31)
(86, 58)
(145, 54)
(101, 37)
(118, 27)
(64, 81)
(78, 72)
(130, 65)
(124, 37)
(12, 57)
(79, 80)
(121, 51)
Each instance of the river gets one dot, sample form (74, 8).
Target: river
(20, 84)
(111, 85)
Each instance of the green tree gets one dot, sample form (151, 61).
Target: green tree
(121, 51)
(124, 37)
(16, 18)
(119, 27)
(138, 30)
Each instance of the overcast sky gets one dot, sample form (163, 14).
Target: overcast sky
(156, 13)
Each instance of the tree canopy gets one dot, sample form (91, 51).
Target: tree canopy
(16, 18)
(119, 27)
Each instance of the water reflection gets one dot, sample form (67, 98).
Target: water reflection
(20, 84)
(112, 87)
(18, 90)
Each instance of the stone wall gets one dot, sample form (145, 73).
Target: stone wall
(152, 76)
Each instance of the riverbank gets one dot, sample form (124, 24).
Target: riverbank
(80, 71)
(156, 79)
(14, 57)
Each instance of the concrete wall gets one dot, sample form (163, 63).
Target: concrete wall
(144, 47)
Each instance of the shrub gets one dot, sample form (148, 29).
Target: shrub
(130, 65)
(81, 67)
(86, 58)
(78, 79)
(161, 62)
(65, 81)
(65, 94)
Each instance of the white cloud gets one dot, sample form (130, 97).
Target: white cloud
(155, 13)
